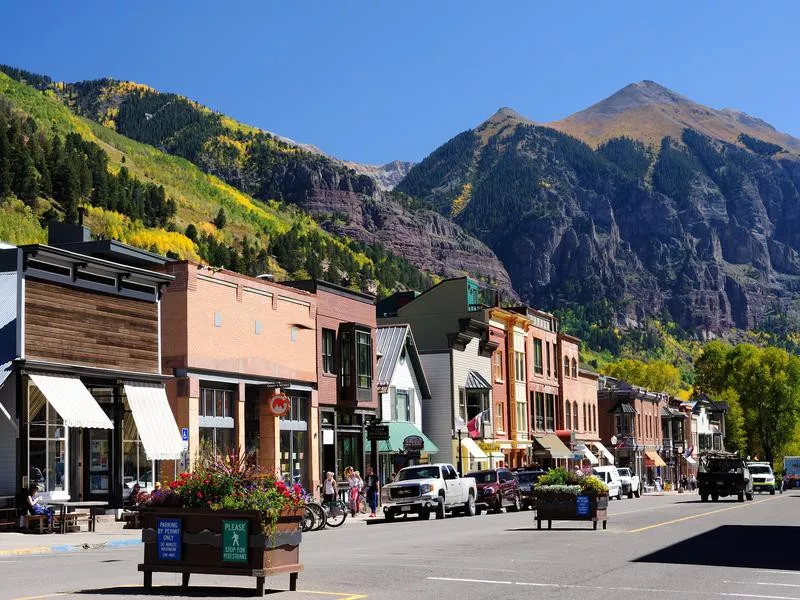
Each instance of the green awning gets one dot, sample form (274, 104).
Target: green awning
(399, 431)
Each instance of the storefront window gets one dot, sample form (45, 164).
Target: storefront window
(47, 444)
(364, 359)
(135, 466)
(216, 421)
(550, 417)
(539, 404)
(294, 438)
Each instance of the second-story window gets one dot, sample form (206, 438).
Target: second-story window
(566, 366)
(539, 405)
(328, 352)
(498, 365)
(537, 356)
(364, 359)
(575, 416)
(567, 415)
(547, 358)
(519, 366)
(574, 368)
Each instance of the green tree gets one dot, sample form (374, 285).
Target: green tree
(735, 433)
(657, 376)
(191, 232)
(220, 220)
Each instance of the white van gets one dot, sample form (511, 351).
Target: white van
(610, 476)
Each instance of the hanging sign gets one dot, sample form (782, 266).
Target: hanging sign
(413, 443)
(278, 404)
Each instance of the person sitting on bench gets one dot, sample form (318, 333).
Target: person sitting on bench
(35, 507)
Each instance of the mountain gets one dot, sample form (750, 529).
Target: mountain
(347, 199)
(691, 215)
(649, 112)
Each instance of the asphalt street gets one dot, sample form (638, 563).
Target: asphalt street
(670, 546)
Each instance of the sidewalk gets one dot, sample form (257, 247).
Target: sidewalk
(24, 544)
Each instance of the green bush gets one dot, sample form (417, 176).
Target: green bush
(561, 484)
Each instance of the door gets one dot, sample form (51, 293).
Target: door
(97, 453)
(507, 486)
(455, 487)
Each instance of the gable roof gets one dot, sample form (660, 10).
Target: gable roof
(390, 340)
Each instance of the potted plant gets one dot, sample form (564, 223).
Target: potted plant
(227, 517)
(563, 495)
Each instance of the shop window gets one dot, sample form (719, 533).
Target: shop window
(216, 421)
(328, 351)
(550, 414)
(135, 466)
(364, 359)
(47, 444)
(537, 356)
(539, 406)
(294, 438)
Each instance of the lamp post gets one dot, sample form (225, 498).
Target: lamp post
(458, 434)
(614, 441)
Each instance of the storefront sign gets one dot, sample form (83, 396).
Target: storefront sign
(278, 405)
(582, 506)
(413, 443)
(378, 432)
(234, 540)
(168, 539)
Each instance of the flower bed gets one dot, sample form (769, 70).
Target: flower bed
(227, 518)
(565, 496)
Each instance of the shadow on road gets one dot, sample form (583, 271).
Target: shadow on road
(554, 529)
(745, 546)
(198, 591)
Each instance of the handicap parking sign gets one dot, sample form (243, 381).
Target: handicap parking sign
(185, 434)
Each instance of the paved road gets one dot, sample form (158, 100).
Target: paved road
(666, 547)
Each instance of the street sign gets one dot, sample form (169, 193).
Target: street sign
(185, 434)
(377, 432)
(413, 443)
(582, 506)
(168, 539)
(234, 540)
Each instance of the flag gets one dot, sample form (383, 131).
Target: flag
(475, 425)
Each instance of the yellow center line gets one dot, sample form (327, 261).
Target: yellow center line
(341, 595)
(705, 514)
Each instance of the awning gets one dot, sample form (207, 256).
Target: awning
(589, 456)
(476, 381)
(155, 422)
(472, 448)
(5, 371)
(399, 431)
(604, 451)
(550, 444)
(653, 456)
(70, 398)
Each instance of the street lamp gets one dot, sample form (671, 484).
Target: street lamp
(458, 433)
(614, 441)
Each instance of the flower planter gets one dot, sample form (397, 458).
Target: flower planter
(178, 540)
(567, 509)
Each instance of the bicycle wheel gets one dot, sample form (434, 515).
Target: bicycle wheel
(309, 519)
(319, 515)
(336, 513)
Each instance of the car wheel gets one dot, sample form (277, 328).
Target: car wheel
(619, 494)
(714, 497)
(515, 506)
(772, 492)
(637, 493)
(388, 516)
(749, 496)
(630, 493)
(469, 507)
(703, 497)
(478, 510)
(425, 515)
(740, 497)
(440, 509)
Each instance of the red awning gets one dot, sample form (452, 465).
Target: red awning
(567, 436)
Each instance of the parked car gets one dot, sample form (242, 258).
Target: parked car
(631, 484)
(724, 474)
(526, 479)
(763, 477)
(429, 489)
(497, 488)
(609, 475)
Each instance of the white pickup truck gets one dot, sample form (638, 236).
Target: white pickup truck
(631, 484)
(429, 489)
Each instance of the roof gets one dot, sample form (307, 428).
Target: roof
(476, 381)
(671, 413)
(390, 341)
(623, 407)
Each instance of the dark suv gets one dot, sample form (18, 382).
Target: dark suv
(497, 488)
(527, 478)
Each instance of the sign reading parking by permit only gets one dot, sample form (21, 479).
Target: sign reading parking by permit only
(582, 506)
(168, 539)
(234, 540)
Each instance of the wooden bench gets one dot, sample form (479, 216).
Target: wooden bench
(132, 519)
(29, 520)
(70, 521)
(8, 511)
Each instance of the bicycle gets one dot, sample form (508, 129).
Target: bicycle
(335, 513)
(313, 516)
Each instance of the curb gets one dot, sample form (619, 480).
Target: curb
(62, 548)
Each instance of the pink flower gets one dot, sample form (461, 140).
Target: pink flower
(199, 494)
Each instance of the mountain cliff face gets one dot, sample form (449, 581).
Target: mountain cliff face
(702, 228)
(347, 198)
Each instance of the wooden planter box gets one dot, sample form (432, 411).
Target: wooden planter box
(192, 541)
(567, 510)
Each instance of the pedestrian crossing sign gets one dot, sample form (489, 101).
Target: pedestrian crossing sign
(234, 540)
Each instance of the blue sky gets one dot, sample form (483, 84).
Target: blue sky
(375, 81)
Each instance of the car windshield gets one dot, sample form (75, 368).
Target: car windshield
(761, 469)
(528, 477)
(624, 472)
(483, 476)
(723, 465)
(418, 473)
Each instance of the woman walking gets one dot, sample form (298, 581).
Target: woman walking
(355, 483)
(329, 488)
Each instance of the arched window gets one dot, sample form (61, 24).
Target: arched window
(566, 366)
(575, 416)
(568, 415)
(574, 368)
(585, 420)
(594, 418)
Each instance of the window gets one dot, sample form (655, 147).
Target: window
(216, 421)
(473, 409)
(217, 319)
(547, 347)
(345, 345)
(522, 416)
(537, 356)
(294, 437)
(585, 419)
(364, 359)
(259, 327)
(499, 421)
(574, 368)
(519, 366)
(402, 405)
(498, 366)
(47, 444)
(575, 416)
(328, 352)
(135, 466)
(550, 414)
(539, 404)
(566, 366)
(568, 415)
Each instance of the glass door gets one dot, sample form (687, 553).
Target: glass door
(97, 450)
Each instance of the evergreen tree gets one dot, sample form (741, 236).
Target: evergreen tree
(220, 220)
(191, 232)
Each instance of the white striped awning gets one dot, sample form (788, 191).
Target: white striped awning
(604, 451)
(72, 401)
(589, 456)
(154, 420)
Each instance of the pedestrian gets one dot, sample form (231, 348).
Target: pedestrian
(373, 489)
(355, 483)
(35, 506)
(684, 482)
(329, 488)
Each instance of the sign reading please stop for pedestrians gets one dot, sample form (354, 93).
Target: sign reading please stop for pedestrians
(234, 540)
